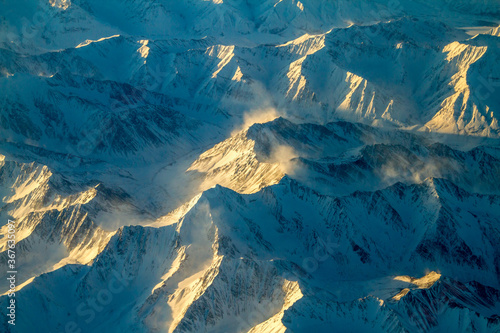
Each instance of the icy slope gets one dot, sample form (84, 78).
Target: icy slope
(251, 166)
(59, 24)
(57, 221)
(340, 158)
(232, 255)
(404, 72)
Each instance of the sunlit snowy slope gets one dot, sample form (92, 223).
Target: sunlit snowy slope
(251, 166)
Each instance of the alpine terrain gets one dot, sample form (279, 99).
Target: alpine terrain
(249, 166)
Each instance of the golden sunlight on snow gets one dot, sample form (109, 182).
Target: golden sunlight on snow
(61, 4)
(422, 283)
(144, 49)
(90, 41)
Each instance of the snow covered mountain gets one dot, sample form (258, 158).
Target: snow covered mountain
(251, 166)
(296, 252)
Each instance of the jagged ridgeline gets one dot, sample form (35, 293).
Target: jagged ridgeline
(250, 166)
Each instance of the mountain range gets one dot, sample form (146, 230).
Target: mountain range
(251, 166)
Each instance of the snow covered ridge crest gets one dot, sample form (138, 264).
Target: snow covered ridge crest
(292, 251)
(407, 72)
(341, 157)
(249, 166)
